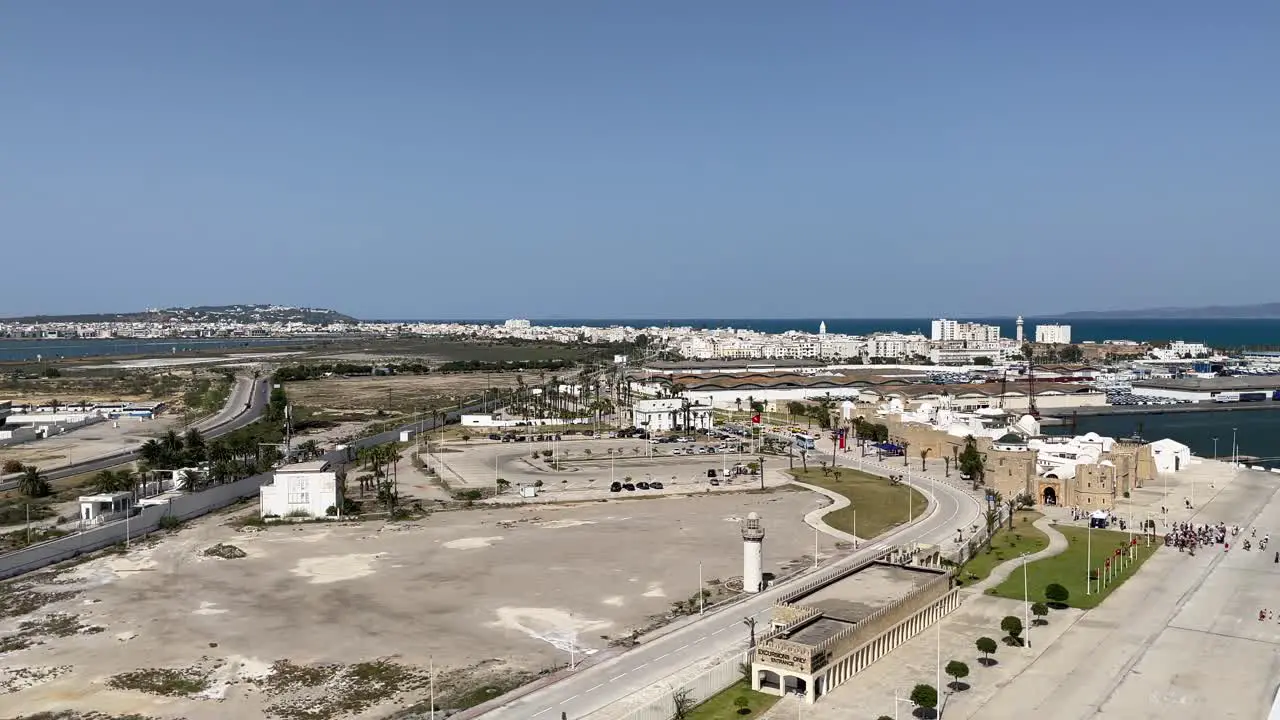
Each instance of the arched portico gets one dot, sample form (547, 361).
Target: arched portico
(768, 680)
(1050, 496)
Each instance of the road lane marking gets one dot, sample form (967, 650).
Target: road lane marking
(597, 687)
(640, 666)
(575, 697)
(541, 711)
(615, 677)
(658, 658)
(720, 631)
(679, 648)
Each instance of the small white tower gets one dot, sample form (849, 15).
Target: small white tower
(1019, 335)
(752, 554)
(822, 328)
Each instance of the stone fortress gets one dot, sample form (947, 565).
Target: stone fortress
(1089, 471)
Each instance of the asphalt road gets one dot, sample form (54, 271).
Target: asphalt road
(594, 687)
(245, 404)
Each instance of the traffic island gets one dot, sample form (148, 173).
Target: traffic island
(876, 504)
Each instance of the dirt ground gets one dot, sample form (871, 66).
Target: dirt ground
(88, 442)
(399, 393)
(490, 596)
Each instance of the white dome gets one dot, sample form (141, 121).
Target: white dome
(753, 516)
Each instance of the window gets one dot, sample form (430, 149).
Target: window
(298, 492)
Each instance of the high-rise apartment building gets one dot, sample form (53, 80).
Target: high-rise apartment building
(948, 330)
(1053, 334)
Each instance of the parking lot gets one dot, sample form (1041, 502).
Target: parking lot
(574, 469)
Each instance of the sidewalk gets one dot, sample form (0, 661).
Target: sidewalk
(1057, 545)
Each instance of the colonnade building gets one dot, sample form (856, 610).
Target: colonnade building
(835, 626)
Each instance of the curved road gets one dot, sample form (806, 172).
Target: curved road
(649, 664)
(245, 404)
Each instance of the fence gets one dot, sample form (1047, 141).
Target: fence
(699, 689)
(181, 507)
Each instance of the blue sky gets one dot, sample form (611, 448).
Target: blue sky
(627, 159)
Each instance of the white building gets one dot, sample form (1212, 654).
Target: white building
(301, 490)
(1179, 350)
(1170, 455)
(104, 508)
(944, 329)
(897, 345)
(668, 414)
(1053, 334)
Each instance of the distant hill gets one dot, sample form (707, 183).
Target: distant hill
(1261, 311)
(204, 314)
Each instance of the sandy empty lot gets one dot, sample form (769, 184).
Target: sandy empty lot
(396, 393)
(486, 594)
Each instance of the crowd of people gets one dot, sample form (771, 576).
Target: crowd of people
(1187, 537)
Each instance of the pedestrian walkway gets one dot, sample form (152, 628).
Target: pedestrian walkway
(1001, 572)
(814, 518)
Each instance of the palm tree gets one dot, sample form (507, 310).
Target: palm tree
(110, 481)
(904, 445)
(924, 455)
(32, 483)
(151, 452)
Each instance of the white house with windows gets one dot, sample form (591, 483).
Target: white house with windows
(306, 489)
(668, 414)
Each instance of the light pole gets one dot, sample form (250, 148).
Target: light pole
(1088, 563)
(701, 596)
(1235, 449)
(1026, 600)
(1215, 448)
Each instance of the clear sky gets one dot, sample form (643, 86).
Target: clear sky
(666, 158)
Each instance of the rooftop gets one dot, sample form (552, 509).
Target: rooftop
(1214, 384)
(848, 601)
(302, 467)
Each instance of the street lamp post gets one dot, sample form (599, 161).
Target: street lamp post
(1026, 600)
(1215, 448)
(1088, 564)
(1235, 449)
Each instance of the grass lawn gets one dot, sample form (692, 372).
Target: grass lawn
(720, 706)
(1068, 569)
(1006, 545)
(876, 505)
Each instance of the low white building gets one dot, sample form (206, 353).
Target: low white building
(307, 489)
(669, 414)
(1170, 455)
(104, 508)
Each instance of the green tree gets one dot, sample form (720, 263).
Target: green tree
(925, 696)
(1057, 594)
(1071, 354)
(32, 483)
(110, 481)
(986, 646)
(1040, 610)
(742, 703)
(958, 671)
(12, 466)
(971, 463)
(1012, 625)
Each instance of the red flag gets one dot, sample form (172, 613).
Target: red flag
(1117, 552)
(841, 441)
(755, 419)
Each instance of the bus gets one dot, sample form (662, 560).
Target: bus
(802, 441)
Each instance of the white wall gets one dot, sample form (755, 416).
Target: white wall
(1193, 395)
(310, 492)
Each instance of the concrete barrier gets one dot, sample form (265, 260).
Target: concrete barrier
(182, 507)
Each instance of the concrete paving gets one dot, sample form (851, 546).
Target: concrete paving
(1181, 639)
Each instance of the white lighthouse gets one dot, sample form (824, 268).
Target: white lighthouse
(752, 554)
(1018, 323)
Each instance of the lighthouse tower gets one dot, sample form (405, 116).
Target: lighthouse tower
(752, 554)
(1019, 325)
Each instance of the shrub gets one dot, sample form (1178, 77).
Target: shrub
(1040, 610)
(957, 670)
(986, 646)
(331, 511)
(926, 696)
(1012, 625)
(12, 466)
(169, 522)
(1057, 594)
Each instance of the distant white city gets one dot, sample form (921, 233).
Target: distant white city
(951, 342)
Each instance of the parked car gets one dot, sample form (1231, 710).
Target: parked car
(715, 481)
(642, 485)
(655, 485)
(615, 487)
(628, 487)
(711, 473)
(495, 436)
